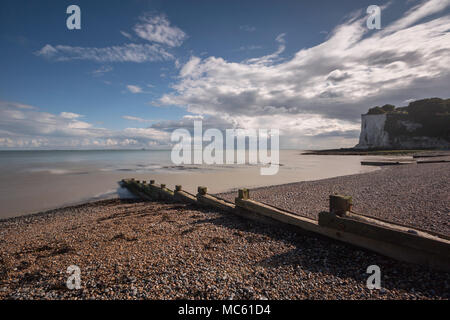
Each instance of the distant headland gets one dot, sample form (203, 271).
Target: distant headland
(388, 130)
(423, 124)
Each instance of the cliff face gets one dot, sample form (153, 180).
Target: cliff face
(372, 132)
(422, 124)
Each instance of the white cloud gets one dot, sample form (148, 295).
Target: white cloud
(16, 105)
(15, 120)
(126, 53)
(47, 51)
(102, 70)
(132, 118)
(247, 28)
(193, 117)
(315, 96)
(189, 67)
(69, 115)
(420, 11)
(280, 38)
(134, 89)
(301, 131)
(271, 58)
(248, 48)
(321, 91)
(126, 35)
(157, 28)
(154, 28)
(30, 128)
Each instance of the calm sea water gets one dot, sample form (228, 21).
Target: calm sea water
(34, 181)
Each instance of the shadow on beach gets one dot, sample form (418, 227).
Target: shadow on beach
(317, 254)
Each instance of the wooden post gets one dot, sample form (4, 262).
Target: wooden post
(339, 204)
(202, 190)
(243, 194)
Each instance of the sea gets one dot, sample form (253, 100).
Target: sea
(36, 181)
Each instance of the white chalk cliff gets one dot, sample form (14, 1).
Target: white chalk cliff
(406, 128)
(373, 134)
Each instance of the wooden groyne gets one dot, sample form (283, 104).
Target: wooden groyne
(339, 223)
(432, 161)
(398, 163)
(386, 163)
(439, 155)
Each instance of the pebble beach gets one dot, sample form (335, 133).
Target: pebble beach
(416, 195)
(130, 249)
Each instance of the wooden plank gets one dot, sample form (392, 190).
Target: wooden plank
(386, 232)
(432, 161)
(426, 250)
(277, 214)
(385, 163)
(395, 241)
(211, 201)
(184, 196)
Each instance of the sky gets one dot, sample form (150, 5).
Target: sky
(137, 70)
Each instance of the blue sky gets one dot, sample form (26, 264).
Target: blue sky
(138, 69)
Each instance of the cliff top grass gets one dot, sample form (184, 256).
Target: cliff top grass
(421, 118)
(434, 106)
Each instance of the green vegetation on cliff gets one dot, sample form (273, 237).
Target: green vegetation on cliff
(421, 118)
